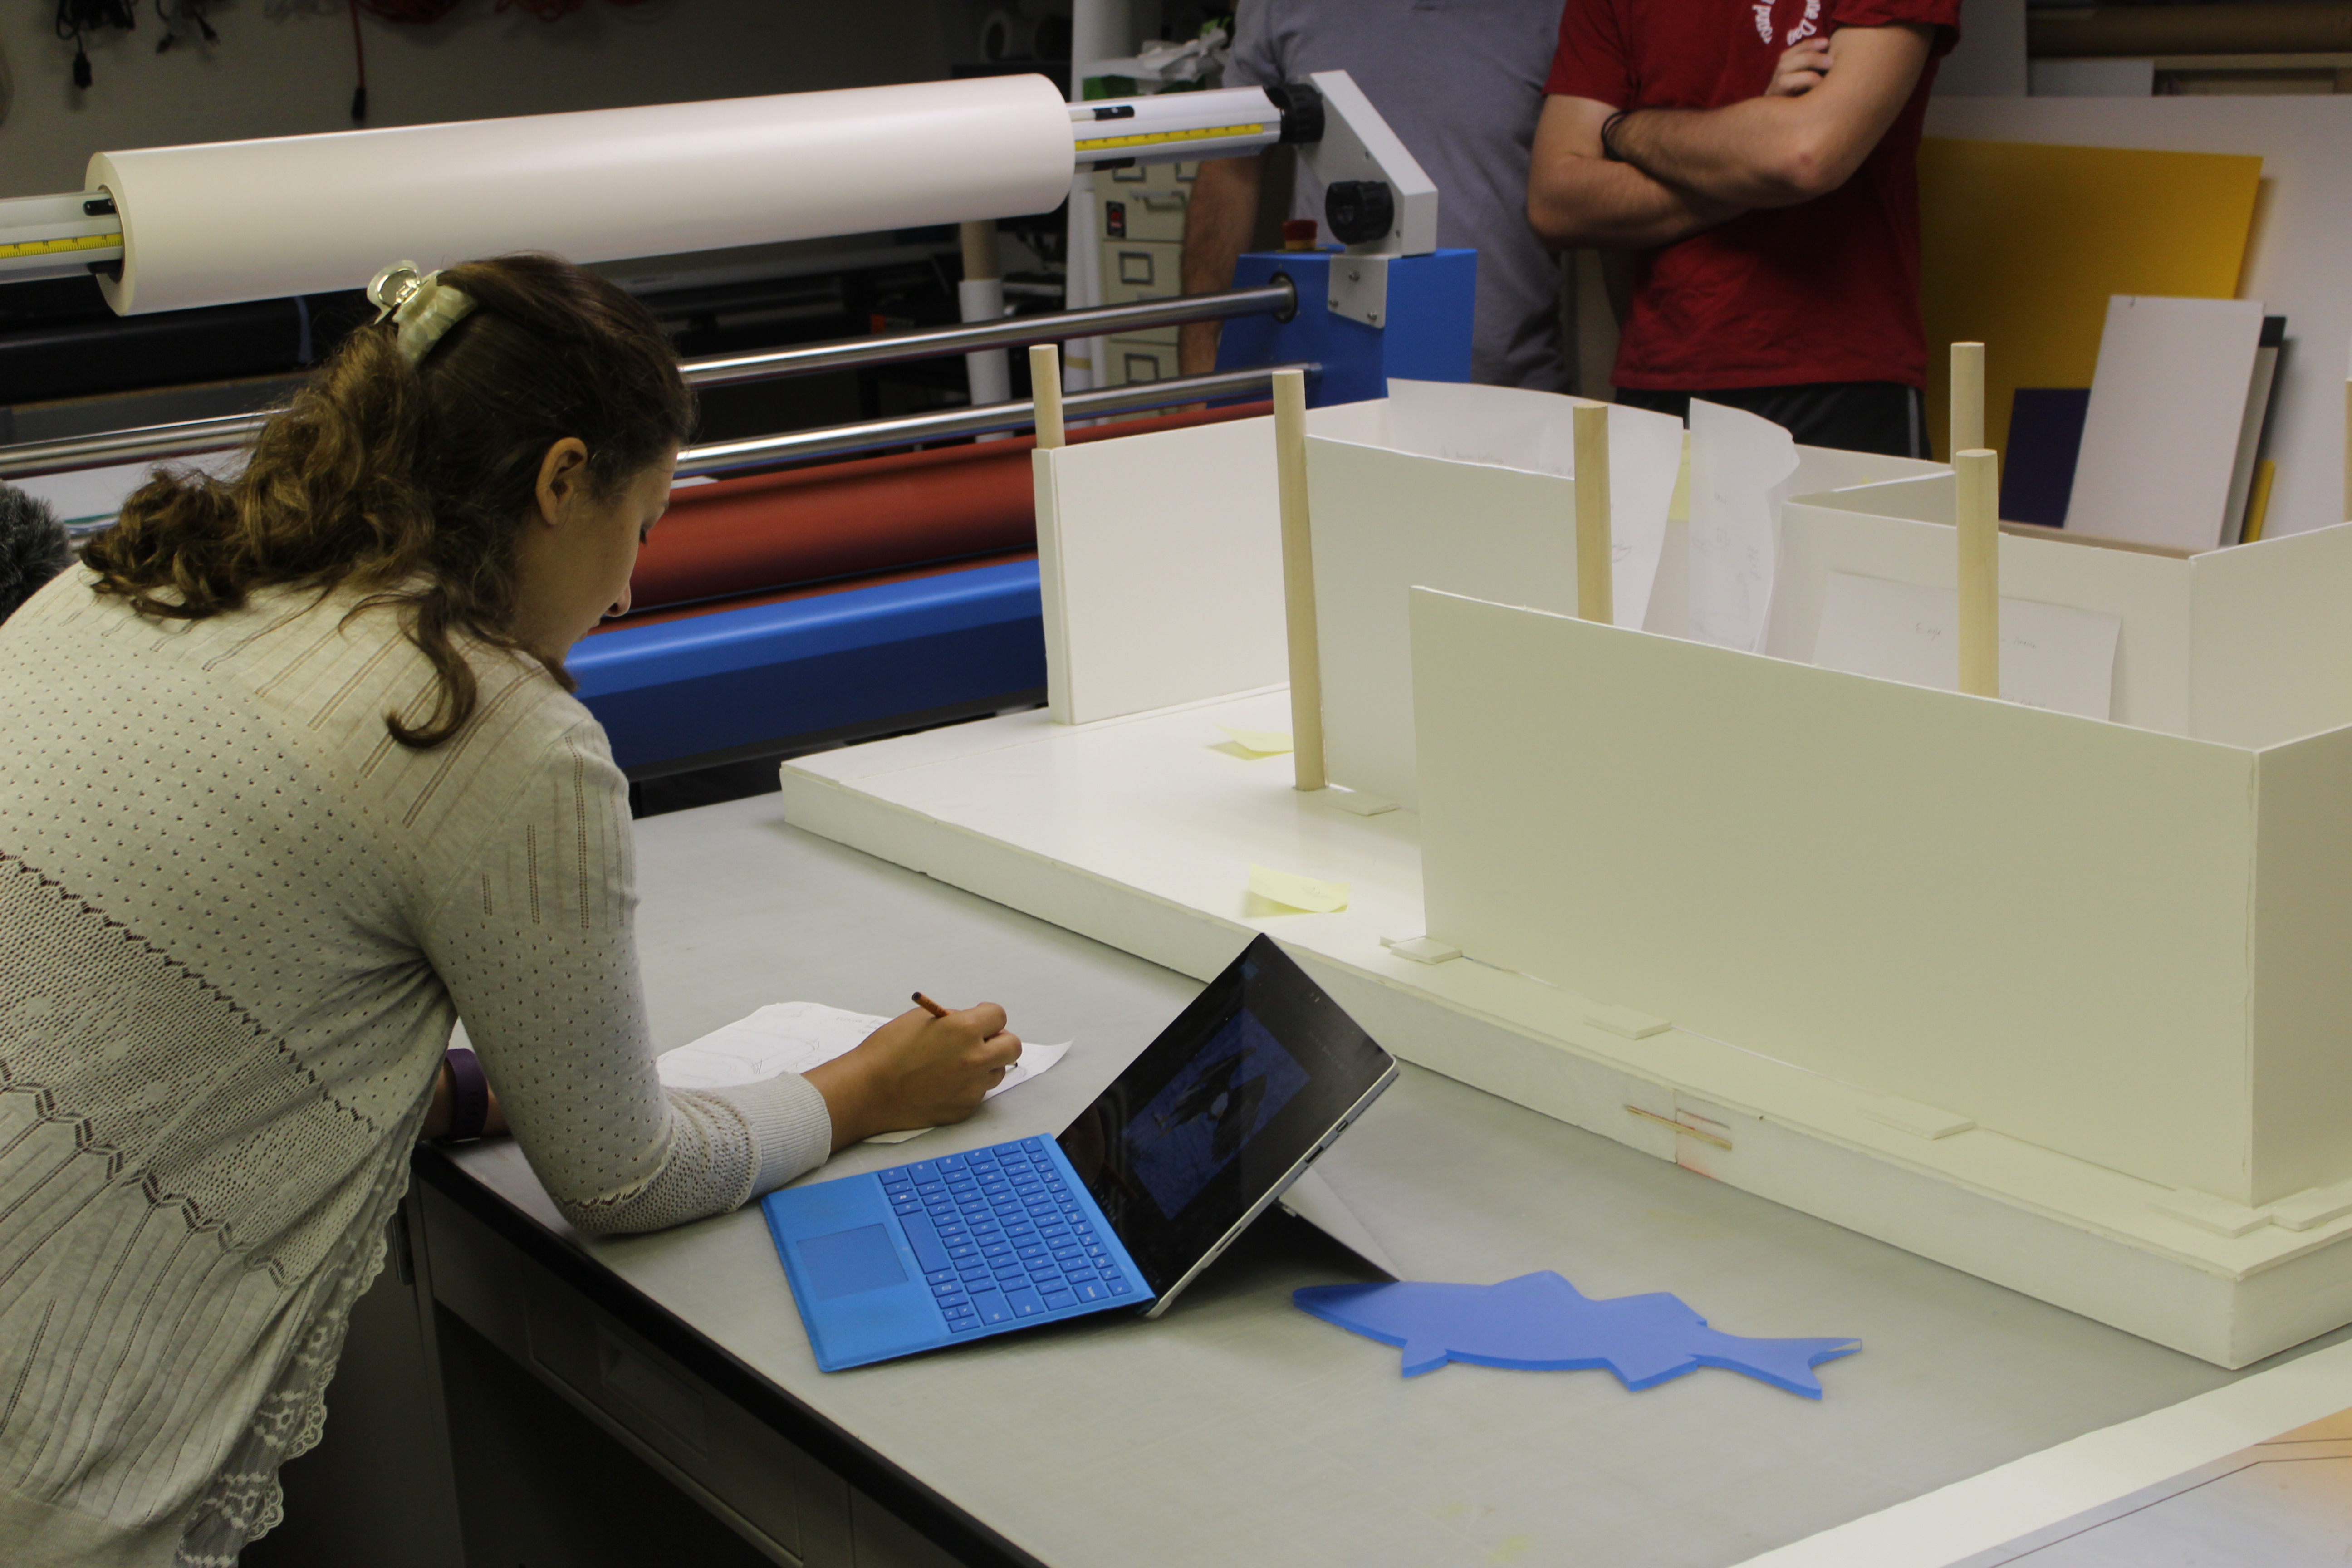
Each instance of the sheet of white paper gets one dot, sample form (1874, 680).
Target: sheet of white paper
(1740, 469)
(1508, 427)
(793, 1037)
(1464, 423)
(2052, 656)
(1645, 458)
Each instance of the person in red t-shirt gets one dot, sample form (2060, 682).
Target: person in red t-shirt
(1760, 156)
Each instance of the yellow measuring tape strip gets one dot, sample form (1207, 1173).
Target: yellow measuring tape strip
(57, 247)
(1160, 137)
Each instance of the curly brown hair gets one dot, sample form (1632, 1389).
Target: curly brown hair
(414, 483)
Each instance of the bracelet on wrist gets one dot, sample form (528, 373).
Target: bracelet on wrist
(469, 1101)
(1608, 137)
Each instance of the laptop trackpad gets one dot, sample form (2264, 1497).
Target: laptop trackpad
(848, 1261)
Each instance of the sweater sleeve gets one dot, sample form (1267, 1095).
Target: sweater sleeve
(535, 940)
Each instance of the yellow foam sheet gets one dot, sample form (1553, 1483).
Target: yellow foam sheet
(2021, 245)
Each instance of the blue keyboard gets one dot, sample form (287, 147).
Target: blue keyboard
(1002, 1237)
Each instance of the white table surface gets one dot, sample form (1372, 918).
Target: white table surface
(1238, 1429)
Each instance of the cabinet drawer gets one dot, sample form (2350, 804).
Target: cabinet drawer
(740, 1462)
(774, 1495)
(1134, 360)
(1141, 271)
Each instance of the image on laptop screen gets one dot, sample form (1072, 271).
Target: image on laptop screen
(1196, 1125)
(1220, 1110)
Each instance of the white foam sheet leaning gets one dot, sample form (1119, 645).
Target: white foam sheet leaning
(1989, 1510)
(208, 224)
(1742, 468)
(2052, 656)
(1471, 489)
(2167, 406)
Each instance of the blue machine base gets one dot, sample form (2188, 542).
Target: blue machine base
(737, 678)
(1432, 300)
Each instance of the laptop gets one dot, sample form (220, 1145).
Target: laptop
(1221, 1113)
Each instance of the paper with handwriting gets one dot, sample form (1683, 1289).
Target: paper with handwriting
(2052, 656)
(1740, 469)
(1508, 427)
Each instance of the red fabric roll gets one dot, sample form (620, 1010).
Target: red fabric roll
(868, 515)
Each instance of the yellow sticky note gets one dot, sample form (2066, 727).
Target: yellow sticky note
(1299, 892)
(1265, 742)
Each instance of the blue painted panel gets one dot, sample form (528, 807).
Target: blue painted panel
(736, 678)
(1432, 301)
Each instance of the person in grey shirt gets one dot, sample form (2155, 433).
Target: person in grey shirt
(1461, 83)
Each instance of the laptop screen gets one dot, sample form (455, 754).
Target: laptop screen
(1219, 1110)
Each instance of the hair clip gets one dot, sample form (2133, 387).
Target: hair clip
(421, 307)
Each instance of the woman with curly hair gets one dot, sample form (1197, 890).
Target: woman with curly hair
(292, 781)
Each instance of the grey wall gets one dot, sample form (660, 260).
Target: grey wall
(284, 68)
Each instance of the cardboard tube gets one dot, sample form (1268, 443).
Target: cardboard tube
(980, 297)
(1979, 545)
(1594, 564)
(1967, 397)
(1298, 579)
(1045, 387)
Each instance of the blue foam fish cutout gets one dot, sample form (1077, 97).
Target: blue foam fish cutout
(1540, 1322)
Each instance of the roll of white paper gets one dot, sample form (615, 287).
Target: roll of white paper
(225, 221)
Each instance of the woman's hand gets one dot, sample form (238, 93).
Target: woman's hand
(1801, 70)
(916, 1071)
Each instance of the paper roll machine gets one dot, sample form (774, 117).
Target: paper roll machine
(815, 589)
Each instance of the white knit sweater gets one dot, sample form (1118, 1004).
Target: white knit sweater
(236, 924)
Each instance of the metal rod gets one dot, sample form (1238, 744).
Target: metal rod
(835, 440)
(220, 434)
(181, 440)
(1276, 298)
(235, 430)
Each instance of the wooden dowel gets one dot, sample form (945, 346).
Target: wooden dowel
(1045, 387)
(1594, 568)
(1968, 398)
(978, 237)
(1298, 579)
(1979, 532)
(2347, 450)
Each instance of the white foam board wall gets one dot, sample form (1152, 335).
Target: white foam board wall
(2150, 593)
(1385, 521)
(1471, 492)
(2273, 638)
(2043, 923)
(1160, 560)
(2247, 645)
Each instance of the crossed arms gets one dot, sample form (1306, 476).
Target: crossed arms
(1685, 170)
